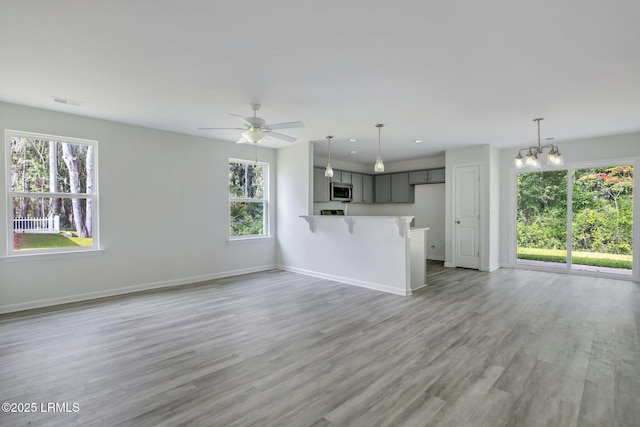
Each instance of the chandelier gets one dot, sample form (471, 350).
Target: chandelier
(532, 160)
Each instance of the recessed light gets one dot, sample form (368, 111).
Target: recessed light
(352, 140)
(418, 141)
(354, 152)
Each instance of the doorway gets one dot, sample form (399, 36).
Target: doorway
(467, 216)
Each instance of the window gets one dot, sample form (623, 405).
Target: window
(248, 198)
(52, 193)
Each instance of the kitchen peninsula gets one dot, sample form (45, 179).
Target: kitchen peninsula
(375, 252)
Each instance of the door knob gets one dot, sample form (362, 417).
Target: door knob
(458, 222)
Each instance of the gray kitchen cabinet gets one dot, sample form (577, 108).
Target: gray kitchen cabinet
(367, 189)
(435, 176)
(427, 176)
(393, 188)
(320, 186)
(343, 177)
(401, 190)
(419, 177)
(383, 188)
(362, 188)
(356, 181)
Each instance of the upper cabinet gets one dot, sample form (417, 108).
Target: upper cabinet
(386, 188)
(427, 176)
(343, 177)
(320, 186)
(367, 189)
(401, 190)
(383, 188)
(393, 188)
(362, 188)
(435, 176)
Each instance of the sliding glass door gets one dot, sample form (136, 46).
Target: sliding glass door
(542, 219)
(577, 219)
(602, 219)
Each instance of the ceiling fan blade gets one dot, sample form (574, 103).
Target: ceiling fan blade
(287, 125)
(280, 136)
(222, 128)
(241, 140)
(243, 119)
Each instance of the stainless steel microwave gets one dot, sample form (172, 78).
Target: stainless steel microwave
(341, 192)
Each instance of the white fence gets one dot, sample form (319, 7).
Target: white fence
(37, 225)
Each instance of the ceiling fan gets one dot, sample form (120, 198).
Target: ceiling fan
(256, 129)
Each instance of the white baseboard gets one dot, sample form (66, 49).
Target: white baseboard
(10, 308)
(491, 268)
(449, 264)
(347, 280)
(435, 258)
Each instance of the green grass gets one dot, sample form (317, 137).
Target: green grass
(595, 259)
(28, 241)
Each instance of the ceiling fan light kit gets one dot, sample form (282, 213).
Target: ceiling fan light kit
(532, 160)
(254, 135)
(379, 166)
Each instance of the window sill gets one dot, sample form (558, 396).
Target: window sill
(251, 239)
(51, 255)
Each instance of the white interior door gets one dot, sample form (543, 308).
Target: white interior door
(467, 216)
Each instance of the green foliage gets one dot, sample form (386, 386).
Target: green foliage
(247, 218)
(246, 193)
(602, 202)
(580, 258)
(48, 241)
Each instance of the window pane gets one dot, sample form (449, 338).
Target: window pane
(602, 225)
(45, 223)
(246, 181)
(255, 182)
(542, 219)
(237, 181)
(247, 218)
(39, 165)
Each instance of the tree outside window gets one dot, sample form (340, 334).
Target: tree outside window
(247, 198)
(53, 194)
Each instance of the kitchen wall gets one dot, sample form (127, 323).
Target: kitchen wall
(163, 212)
(428, 208)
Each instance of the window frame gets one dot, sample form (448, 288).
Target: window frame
(264, 200)
(10, 195)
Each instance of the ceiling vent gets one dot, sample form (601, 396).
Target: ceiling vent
(67, 101)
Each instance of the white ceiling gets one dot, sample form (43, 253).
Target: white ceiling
(452, 73)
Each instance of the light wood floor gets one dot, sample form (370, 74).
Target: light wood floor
(508, 348)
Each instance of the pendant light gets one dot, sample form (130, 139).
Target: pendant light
(328, 172)
(379, 166)
(531, 160)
